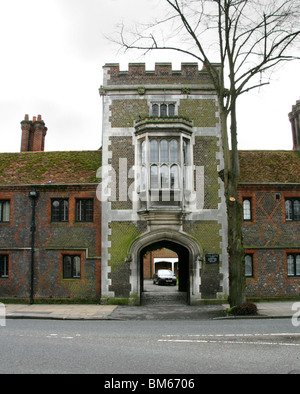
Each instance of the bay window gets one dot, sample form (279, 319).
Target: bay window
(165, 159)
(164, 162)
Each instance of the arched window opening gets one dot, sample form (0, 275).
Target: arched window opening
(174, 177)
(153, 151)
(174, 151)
(164, 177)
(247, 209)
(154, 177)
(164, 151)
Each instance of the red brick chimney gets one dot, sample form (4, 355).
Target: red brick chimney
(33, 134)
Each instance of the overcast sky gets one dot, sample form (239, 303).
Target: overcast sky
(52, 54)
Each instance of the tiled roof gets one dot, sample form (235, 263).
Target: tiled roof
(75, 167)
(37, 168)
(270, 166)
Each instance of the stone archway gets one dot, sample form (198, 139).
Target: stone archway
(186, 246)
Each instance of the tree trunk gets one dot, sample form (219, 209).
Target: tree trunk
(234, 210)
(236, 254)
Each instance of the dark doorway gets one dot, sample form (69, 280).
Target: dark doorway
(180, 268)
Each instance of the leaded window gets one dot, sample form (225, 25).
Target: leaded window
(247, 214)
(164, 164)
(84, 210)
(163, 110)
(71, 267)
(249, 265)
(59, 210)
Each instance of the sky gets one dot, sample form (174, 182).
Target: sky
(52, 54)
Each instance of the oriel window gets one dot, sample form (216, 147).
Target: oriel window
(164, 164)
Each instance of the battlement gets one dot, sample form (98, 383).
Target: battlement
(163, 74)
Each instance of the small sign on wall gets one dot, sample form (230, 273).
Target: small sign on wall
(212, 259)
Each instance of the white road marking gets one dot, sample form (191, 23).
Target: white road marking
(222, 338)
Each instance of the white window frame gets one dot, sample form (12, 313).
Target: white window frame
(247, 209)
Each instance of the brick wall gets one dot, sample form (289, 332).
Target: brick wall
(202, 111)
(268, 237)
(52, 241)
(148, 261)
(125, 112)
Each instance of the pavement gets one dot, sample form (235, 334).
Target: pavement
(282, 309)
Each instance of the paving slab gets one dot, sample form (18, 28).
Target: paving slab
(64, 312)
(285, 309)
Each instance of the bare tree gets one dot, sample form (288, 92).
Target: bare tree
(248, 39)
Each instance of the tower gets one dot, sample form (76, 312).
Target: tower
(161, 159)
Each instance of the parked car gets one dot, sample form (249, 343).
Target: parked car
(164, 277)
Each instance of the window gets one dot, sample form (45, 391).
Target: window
(249, 265)
(247, 215)
(166, 164)
(71, 267)
(293, 265)
(144, 178)
(163, 110)
(60, 210)
(174, 177)
(143, 158)
(154, 177)
(153, 151)
(4, 211)
(3, 266)
(164, 159)
(84, 210)
(292, 209)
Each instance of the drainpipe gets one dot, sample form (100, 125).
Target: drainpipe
(33, 195)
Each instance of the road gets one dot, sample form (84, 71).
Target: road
(150, 347)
